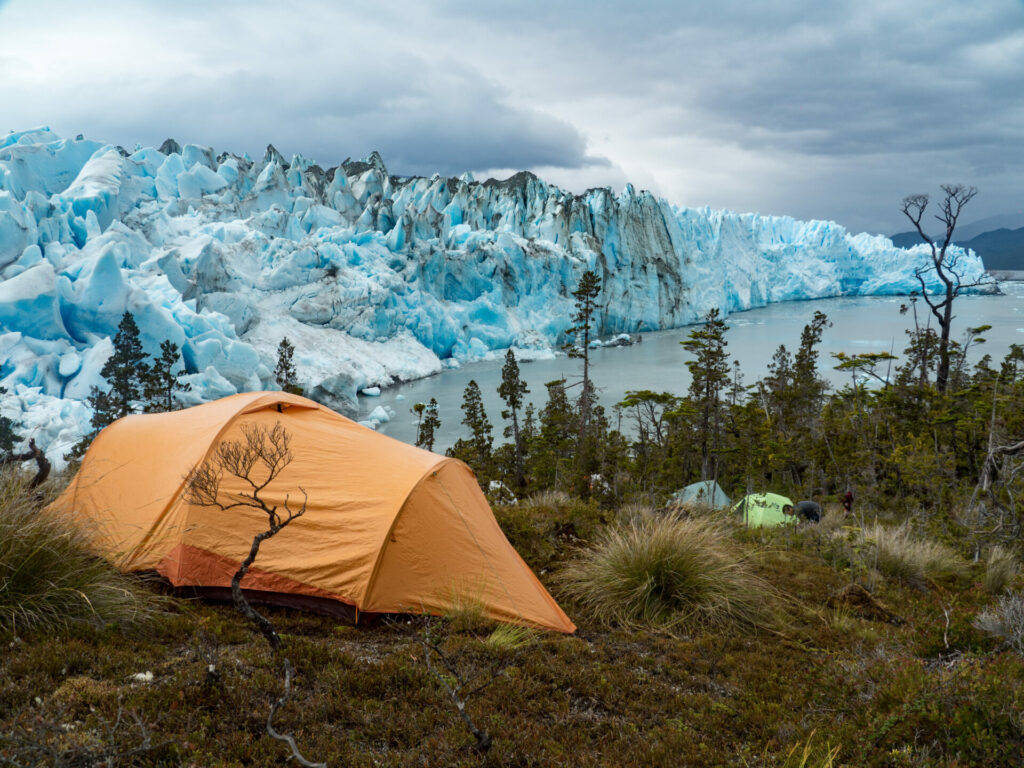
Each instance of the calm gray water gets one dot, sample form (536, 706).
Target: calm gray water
(863, 324)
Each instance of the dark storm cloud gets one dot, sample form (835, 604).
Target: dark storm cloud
(818, 110)
(851, 98)
(340, 88)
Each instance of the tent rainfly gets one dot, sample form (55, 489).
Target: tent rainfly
(765, 509)
(706, 492)
(388, 528)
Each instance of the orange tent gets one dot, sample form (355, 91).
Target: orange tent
(388, 528)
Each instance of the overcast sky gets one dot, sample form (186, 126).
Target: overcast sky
(829, 110)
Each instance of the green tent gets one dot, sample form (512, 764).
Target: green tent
(765, 509)
(706, 492)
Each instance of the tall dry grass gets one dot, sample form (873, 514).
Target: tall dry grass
(896, 552)
(50, 576)
(668, 573)
(1001, 569)
(1005, 620)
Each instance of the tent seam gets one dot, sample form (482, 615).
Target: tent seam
(371, 582)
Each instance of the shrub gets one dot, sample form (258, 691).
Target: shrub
(895, 552)
(1000, 569)
(1005, 620)
(544, 533)
(668, 572)
(50, 576)
(549, 498)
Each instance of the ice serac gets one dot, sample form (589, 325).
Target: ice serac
(373, 277)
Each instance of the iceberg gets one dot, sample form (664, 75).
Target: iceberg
(374, 278)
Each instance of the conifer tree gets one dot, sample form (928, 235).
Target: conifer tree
(586, 294)
(126, 373)
(427, 425)
(285, 373)
(709, 374)
(553, 446)
(476, 451)
(511, 390)
(7, 434)
(162, 382)
(125, 370)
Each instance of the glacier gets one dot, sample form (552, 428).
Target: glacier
(374, 278)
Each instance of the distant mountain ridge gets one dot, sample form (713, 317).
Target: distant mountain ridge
(1000, 249)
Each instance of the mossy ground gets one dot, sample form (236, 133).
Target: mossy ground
(918, 693)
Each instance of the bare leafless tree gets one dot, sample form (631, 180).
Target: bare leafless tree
(257, 461)
(945, 263)
(459, 687)
(34, 453)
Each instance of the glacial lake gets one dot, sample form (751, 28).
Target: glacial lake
(658, 363)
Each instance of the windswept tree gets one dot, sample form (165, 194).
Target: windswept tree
(709, 374)
(427, 424)
(162, 384)
(511, 390)
(945, 263)
(125, 370)
(251, 465)
(126, 373)
(586, 294)
(285, 373)
(476, 451)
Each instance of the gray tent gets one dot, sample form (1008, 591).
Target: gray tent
(706, 492)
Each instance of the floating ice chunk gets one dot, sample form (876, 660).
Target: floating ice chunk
(380, 414)
(370, 391)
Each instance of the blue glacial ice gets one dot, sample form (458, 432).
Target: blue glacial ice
(374, 278)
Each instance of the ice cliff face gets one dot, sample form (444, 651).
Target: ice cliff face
(373, 277)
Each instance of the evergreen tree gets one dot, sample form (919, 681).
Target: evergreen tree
(7, 434)
(162, 382)
(511, 390)
(553, 446)
(476, 451)
(285, 373)
(586, 294)
(427, 425)
(709, 374)
(126, 373)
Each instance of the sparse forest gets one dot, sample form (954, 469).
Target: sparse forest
(891, 634)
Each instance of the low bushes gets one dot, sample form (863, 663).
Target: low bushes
(668, 572)
(49, 576)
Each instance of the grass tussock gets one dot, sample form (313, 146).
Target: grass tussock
(1001, 569)
(1005, 620)
(551, 497)
(634, 511)
(510, 637)
(50, 577)
(668, 573)
(898, 554)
